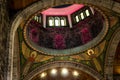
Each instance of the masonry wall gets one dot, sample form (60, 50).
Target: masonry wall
(3, 39)
(4, 24)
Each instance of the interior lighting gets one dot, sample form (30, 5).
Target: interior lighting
(53, 72)
(43, 75)
(64, 72)
(75, 73)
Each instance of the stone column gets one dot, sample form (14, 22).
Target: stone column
(4, 23)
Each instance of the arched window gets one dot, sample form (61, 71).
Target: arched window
(63, 21)
(51, 21)
(36, 18)
(57, 21)
(77, 18)
(39, 19)
(82, 15)
(87, 12)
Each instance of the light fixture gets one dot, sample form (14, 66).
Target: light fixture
(75, 74)
(43, 75)
(64, 72)
(53, 72)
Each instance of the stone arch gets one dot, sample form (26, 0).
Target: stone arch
(22, 16)
(110, 54)
(69, 64)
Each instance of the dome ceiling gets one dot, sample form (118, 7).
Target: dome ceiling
(42, 39)
(54, 33)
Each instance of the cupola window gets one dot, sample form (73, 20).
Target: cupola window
(51, 21)
(57, 21)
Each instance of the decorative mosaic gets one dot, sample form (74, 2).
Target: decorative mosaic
(93, 55)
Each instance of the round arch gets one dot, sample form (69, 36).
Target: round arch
(23, 16)
(69, 64)
(110, 54)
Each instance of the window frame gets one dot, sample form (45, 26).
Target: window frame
(60, 17)
(78, 12)
(39, 16)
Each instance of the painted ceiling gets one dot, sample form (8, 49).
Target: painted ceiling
(93, 57)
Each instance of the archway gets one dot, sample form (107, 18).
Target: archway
(110, 54)
(23, 16)
(74, 65)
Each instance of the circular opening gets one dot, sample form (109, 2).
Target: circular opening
(66, 30)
